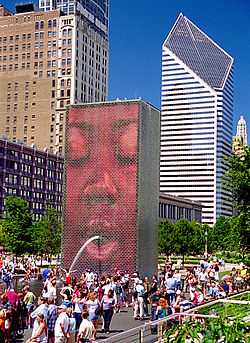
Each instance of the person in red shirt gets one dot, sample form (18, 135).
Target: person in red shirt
(12, 297)
(1, 263)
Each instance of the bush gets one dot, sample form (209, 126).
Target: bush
(212, 331)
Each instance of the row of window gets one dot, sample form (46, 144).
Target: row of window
(39, 25)
(15, 106)
(36, 183)
(37, 44)
(29, 158)
(41, 35)
(175, 212)
(15, 96)
(15, 48)
(25, 129)
(16, 84)
(17, 37)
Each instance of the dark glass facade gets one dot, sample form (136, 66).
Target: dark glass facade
(98, 8)
(199, 52)
(33, 175)
(96, 12)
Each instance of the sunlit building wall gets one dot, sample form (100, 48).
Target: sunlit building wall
(196, 118)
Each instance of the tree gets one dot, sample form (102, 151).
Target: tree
(2, 235)
(166, 236)
(188, 237)
(17, 226)
(46, 235)
(199, 237)
(183, 237)
(224, 235)
(238, 180)
(54, 230)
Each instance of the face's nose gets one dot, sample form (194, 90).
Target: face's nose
(100, 189)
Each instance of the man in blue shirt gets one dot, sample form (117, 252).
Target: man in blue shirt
(171, 287)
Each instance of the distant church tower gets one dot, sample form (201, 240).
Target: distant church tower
(242, 130)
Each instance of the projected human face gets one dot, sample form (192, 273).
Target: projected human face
(101, 174)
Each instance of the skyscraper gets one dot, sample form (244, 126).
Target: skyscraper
(196, 118)
(242, 130)
(95, 11)
(48, 60)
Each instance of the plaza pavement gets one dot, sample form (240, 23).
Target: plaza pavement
(121, 322)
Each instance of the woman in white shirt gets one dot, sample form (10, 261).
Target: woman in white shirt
(41, 333)
(51, 290)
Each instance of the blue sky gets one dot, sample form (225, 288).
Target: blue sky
(139, 27)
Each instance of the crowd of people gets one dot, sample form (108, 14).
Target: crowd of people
(74, 310)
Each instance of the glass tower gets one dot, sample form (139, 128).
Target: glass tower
(196, 118)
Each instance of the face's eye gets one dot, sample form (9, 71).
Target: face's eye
(78, 145)
(127, 144)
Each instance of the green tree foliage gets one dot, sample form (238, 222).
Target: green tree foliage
(183, 237)
(2, 235)
(46, 235)
(20, 236)
(238, 180)
(212, 331)
(224, 235)
(17, 226)
(166, 230)
(188, 237)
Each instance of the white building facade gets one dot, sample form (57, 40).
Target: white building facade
(196, 119)
(242, 130)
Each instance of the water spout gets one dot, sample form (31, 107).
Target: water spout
(81, 250)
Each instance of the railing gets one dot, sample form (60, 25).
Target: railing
(152, 332)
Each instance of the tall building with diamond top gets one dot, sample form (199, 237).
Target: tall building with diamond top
(196, 118)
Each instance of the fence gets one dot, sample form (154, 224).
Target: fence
(152, 331)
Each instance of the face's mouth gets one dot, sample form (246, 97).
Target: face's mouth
(103, 250)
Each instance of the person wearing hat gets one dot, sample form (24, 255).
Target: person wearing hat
(62, 325)
(139, 301)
